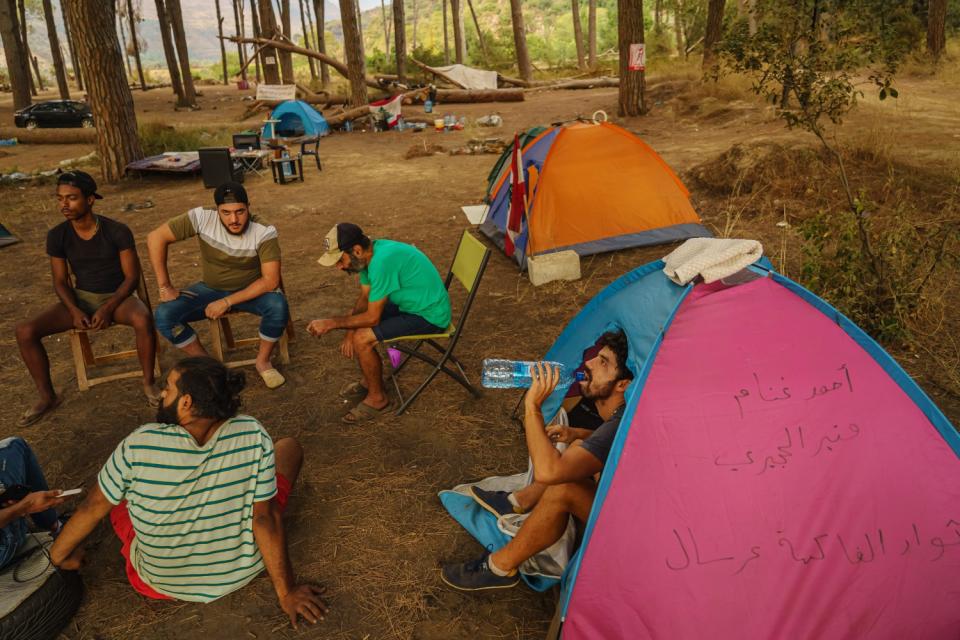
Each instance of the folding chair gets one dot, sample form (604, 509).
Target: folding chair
(83, 356)
(220, 332)
(468, 266)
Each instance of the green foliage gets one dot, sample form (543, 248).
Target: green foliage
(806, 57)
(888, 303)
(156, 137)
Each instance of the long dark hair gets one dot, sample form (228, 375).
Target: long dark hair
(214, 389)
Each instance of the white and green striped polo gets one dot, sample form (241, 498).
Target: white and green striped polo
(192, 506)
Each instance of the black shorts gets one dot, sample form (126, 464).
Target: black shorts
(395, 324)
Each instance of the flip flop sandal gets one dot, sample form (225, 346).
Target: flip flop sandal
(352, 390)
(363, 413)
(30, 416)
(272, 378)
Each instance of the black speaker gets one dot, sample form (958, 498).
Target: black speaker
(217, 167)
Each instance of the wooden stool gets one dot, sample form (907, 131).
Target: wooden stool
(83, 356)
(294, 162)
(220, 332)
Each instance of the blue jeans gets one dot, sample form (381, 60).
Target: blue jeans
(18, 465)
(172, 317)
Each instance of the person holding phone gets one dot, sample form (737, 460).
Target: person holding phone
(23, 492)
(102, 255)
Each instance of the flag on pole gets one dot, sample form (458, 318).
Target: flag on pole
(518, 199)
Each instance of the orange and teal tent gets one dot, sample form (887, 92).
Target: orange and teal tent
(590, 188)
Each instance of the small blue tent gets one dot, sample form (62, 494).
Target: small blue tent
(296, 118)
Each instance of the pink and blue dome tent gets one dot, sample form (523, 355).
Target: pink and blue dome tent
(776, 474)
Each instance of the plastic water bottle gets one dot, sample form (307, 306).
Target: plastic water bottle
(508, 374)
(428, 106)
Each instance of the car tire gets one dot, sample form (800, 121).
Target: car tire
(87, 123)
(31, 124)
(47, 610)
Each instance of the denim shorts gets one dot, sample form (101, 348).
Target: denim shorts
(396, 324)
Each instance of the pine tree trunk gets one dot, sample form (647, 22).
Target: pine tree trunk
(118, 144)
(745, 9)
(446, 36)
(268, 55)
(578, 35)
(286, 58)
(386, 30)
(459, 44)
(520, 41)
(238, 29)
(592, 34)
(14, 54)
(123, 44)
(681, 51)
(306, 39)
(32, 71)
(175, 14)
(476, 24)
(73, 56)
(136, 44)
(255, 27)
(400, 40)
(714, 31)
(318, 10)
(936, 27)
(170, 54)
(416, 15)
(353, 51)
(223, 47)
(658, 16)
(632, 100)
(55, 53)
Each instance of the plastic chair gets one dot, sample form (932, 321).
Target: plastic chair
(468, 266)
(313, 142)
(83, 356)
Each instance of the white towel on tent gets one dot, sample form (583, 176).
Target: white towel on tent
(711, 258)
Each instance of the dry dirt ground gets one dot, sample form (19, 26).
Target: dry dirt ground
(364, 518)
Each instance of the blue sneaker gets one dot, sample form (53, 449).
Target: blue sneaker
(496, 502)
(476, 576)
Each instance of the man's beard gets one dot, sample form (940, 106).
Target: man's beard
(591, 392)
(356, 264)
(237, 233)
(167, 413)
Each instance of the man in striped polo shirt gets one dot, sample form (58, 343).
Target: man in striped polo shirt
(240, 255)
(197, 497)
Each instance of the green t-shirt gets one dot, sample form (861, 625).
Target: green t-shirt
(403, 274)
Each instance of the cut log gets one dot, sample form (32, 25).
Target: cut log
(439, 74)
(459, 96)
(589, 83)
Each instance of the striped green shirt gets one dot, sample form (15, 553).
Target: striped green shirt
(192, 506)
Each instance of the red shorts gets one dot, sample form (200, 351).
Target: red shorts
(120, 519)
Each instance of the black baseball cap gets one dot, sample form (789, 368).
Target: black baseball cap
(342, 237)
(81, 180)
(230, 193)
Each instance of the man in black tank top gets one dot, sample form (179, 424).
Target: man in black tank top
(103, 258)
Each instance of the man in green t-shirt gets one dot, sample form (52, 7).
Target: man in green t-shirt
(401, 294)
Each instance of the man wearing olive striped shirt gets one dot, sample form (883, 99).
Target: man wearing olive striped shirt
(197, 497)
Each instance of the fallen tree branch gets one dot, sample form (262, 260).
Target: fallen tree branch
(589, 83)
(439, 74)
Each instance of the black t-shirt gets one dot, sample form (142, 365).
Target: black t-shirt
(601, 440)
(95, 262)
(584, 415)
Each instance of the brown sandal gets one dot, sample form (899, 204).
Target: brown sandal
(30, 416)
(362, 413)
